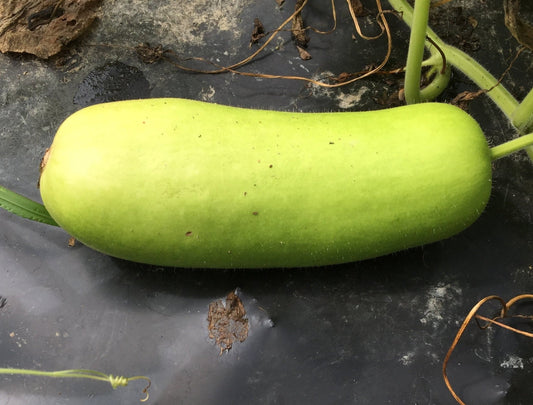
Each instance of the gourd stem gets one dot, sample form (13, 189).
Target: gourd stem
(499, 151)
(415, 53)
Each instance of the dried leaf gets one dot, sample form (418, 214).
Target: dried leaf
(227, 322)
(151, 54)
(304, 55)
(298, 30)
(43, 28)
(358, 8)
(463, 99)
(258, 32)
(520, 29)
(71, 241)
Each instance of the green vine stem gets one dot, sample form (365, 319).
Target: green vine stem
(115, 381)
(438, 84)
(415, 54)
(520, 115)
(24, 207)
(460, 60)
(506, 148)
(522, 118)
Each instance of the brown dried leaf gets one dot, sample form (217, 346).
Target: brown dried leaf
(43, 27)
(298, 30)
(151, 54)
(258, 31)
(227, 322)
(463, 99)
(71, 241)
(518, 27)
(358, 8)
(304, 55)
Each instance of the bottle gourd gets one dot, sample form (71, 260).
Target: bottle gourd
(176, 182)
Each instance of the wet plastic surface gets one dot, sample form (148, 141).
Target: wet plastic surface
(369, 332)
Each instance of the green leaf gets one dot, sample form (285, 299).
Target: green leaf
(24, 207)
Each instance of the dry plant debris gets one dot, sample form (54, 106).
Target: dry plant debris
(258, 32)
(463, 99)
(151, 54)
(227, 321)
(517, 26)
(497, 320)
(44, 27)
(299, 32)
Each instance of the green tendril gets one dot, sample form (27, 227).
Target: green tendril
(114, 381)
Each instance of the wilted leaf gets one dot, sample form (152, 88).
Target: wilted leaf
(304, 55)
(518, 27)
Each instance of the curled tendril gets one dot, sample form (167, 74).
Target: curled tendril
(115, 381)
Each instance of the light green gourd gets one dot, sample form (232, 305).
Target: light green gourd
(184, 183)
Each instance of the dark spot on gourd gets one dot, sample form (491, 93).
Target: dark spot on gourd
(188, 233)
(255, 213)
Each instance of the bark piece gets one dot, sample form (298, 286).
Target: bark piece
(44, 27)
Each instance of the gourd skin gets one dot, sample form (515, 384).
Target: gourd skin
(176, 182)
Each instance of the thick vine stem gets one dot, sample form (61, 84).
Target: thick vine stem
(520, 114)
(462, 61)
(522, 118)
(415, 53)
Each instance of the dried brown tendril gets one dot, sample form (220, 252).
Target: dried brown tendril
(381, 19)
(473, 314)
